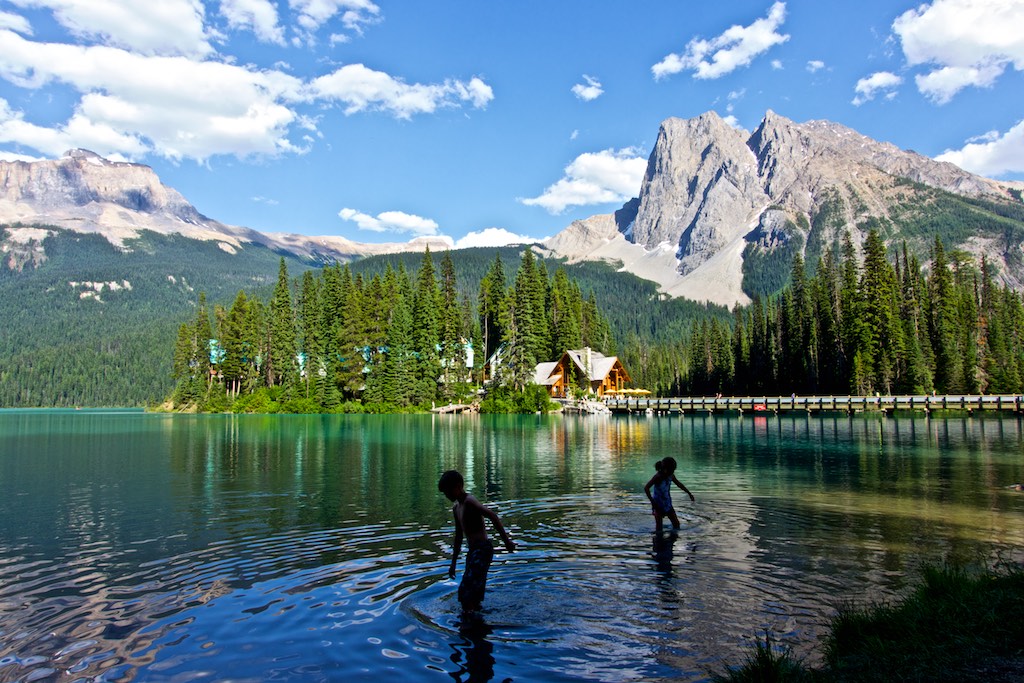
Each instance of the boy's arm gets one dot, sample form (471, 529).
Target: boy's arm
(456, 545)
(496, 521)
(680, 485)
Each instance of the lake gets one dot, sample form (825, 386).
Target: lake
(154, 547)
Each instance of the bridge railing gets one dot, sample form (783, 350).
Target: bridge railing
(1008, 402)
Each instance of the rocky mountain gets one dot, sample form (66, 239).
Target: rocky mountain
(86, 193)
(719, 216)
(720, 207)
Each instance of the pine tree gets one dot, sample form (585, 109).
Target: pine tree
(232, 339)
(452, 332)
(883, 337)
(426, 332)
(565, 313)
(491, 301)
(310, 342)
(280, 366)
(949, 378)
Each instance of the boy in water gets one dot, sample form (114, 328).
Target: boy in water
(469, 516)
(659, 492)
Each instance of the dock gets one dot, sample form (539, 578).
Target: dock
(455, 408)
(1013, 403)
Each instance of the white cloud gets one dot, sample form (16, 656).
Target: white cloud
(594, 178)
(990, 136)
(868, 88)
(172, 106)
(942, 84)
(734, 48)
(591, 91)
(968, 42)
(493, 237)
(177, 107)
(167, 27)
(995, 155)
(355, 14)
(391, 221)
(15, 22)
(12, 156)
(258, 16)
(815, 65)
(777, 64)
(363, 89)
(79, 131)
(733, 121)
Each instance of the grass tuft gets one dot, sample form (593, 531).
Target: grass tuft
(957, 625)
(767, 663)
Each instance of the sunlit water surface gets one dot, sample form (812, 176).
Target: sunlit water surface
(304, 548)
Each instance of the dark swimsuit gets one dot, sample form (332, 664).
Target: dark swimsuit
(478, 561)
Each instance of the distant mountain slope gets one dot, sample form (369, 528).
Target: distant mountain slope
(730, 209)
(84, 192)
(93, 324)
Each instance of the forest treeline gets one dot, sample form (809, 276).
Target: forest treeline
(336, 341)
(853, 326)
(342, 341)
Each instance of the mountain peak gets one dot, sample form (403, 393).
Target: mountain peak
(717, 196)
(79, 153)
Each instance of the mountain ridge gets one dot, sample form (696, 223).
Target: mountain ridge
(716, 206)
(84, 192)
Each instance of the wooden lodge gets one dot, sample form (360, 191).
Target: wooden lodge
(582, 369)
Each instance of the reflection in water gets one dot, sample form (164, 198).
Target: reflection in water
(473, 655)
(164, 547)
(664, 550)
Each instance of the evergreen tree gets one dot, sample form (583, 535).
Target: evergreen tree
(280, 365)
(565, 316)
(452, 332)
(232, 339)
(948, 373)
(311, 342)
(882, 344)
(491, 301)
(426, 332)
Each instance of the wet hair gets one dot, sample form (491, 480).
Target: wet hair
(657, 466)
(668, 464)
(450, 480)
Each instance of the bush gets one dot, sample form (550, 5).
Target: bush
(302, 406)
(503, 400)
(256, 402)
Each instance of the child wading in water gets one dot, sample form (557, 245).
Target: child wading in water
(469, 516)
(659, 492)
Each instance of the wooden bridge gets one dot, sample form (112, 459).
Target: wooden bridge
(818, 404)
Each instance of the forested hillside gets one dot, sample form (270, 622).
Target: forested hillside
(93, 325)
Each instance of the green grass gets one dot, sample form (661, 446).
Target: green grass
(947, 629)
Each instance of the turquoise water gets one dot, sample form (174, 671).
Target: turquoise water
(173, 547)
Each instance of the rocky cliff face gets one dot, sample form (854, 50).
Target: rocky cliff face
(701, 190)
(708, 184)
(714, 194)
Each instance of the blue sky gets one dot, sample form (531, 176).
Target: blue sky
(483, 121)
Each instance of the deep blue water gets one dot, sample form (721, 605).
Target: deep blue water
(154, 547)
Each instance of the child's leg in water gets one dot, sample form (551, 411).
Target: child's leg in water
(673, 518)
